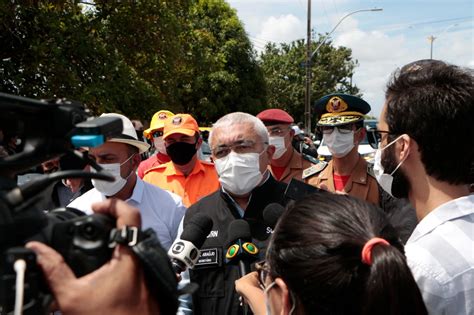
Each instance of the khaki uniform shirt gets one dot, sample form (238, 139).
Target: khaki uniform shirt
(294, 169)
(361, 184)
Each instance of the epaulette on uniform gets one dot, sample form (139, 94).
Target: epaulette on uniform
(310, 158)
(314, 169)
(158, 167)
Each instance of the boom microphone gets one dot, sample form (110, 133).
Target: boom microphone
(272, 213)
(185, 250)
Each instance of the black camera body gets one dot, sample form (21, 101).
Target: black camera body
(83, 241)
(47, 129)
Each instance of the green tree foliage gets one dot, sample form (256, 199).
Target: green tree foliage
(56, 51)
(225, 76)
(133, 57)
(284, 69)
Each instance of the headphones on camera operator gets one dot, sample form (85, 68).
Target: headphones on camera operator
(50, 129)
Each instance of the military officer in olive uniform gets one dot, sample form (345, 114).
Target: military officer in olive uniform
(341, 121)
(342, 126)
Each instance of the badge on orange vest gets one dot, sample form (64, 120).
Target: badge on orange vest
(315, 169)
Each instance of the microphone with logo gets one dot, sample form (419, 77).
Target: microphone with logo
(241, 251)
(272, 213)
(185, 250)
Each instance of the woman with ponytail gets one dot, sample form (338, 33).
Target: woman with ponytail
(333, 254)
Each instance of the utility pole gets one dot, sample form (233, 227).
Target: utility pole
(307, 100)
(431, 39)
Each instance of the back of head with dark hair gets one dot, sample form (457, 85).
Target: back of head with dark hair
(433, 102)
(316, 249)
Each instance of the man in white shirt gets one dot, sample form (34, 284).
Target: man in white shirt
(430, 104)
(160, 210)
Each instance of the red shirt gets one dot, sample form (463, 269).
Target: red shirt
(278, 171)
(151, 162)
(340, 181)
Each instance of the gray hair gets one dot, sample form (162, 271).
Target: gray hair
(238, 118)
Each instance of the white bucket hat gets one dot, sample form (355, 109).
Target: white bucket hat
(129, 135)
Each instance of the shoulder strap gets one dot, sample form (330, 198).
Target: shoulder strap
(314, 169)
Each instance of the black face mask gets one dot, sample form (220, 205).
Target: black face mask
(400, 184)
(181, 152)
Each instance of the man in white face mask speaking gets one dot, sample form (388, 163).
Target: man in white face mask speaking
(286, 163)
(120, 156)
(241, 153)
(342, 125)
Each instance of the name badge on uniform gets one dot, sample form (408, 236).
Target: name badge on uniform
(209, 257)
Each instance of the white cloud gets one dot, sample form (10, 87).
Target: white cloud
(283, 28)
(378, 55)
(379, 52)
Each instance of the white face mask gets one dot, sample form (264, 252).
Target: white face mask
(160, 145)
(385, 180)
(267, 298)
(239, 173)
(267, 304)
(280, 148)
(111, 188)
(339, 144)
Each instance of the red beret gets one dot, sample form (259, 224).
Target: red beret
(275, 115)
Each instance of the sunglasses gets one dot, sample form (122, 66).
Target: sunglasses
(374, 136)
(157, 134)
(345, 129)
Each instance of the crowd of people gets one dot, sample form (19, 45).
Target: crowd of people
(394, 237)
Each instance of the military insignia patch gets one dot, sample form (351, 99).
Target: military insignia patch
(315, 169)
(336, 105)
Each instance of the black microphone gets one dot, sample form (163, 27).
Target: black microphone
(185, 250)
(241, 250)
(272, 213)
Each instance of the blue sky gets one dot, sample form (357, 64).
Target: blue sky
(380, 41)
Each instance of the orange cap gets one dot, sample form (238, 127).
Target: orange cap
(181, 123)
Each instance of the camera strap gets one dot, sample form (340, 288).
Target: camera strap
(159, 275)
(128, 235)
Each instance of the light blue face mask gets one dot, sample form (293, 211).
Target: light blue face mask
(267, 304)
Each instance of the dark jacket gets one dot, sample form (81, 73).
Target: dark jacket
(216, 293)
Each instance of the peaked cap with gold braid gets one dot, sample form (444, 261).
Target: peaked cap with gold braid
(340, 109)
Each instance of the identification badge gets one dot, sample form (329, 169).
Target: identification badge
(209, 257)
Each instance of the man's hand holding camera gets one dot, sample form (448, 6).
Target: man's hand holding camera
(118, 287)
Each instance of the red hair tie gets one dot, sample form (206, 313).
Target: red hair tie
(367, 249)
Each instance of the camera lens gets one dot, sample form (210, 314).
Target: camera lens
(89, 231)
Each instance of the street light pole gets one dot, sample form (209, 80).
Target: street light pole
(309, 57)
(431, 38)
